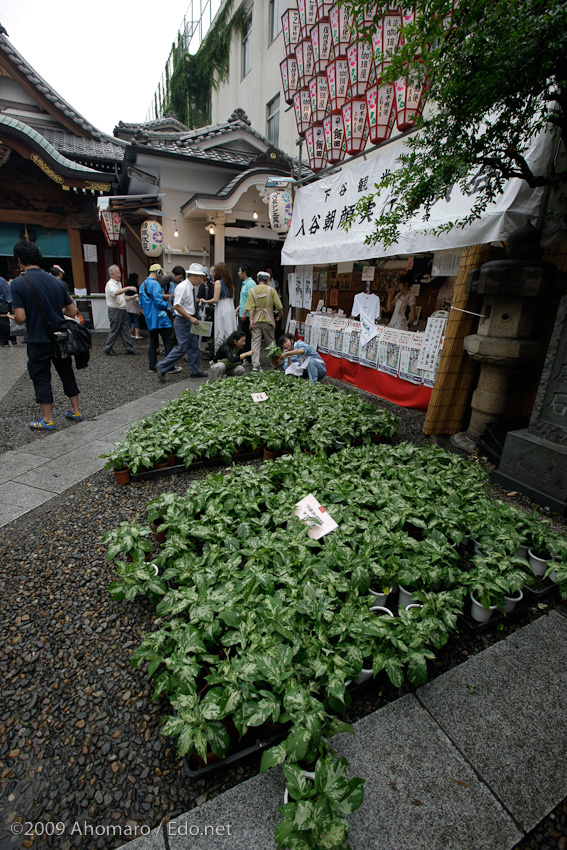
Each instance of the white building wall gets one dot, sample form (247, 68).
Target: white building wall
(262, 83)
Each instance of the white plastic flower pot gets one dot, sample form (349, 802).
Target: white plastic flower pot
(364, 676)
(512, 601)
(405, 597)
(522, 552)
(375, 598)
(308, 775)
(538, 565)
(413, 605)
(381, 611)
(479, 612)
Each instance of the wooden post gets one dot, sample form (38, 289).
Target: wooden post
(77, 258)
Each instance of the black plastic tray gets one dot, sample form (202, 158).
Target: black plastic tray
(167, 470)
(536, 594)
(251, 746)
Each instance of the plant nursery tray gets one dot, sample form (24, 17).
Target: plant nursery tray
(150, 474)
(249, 746)
(246, 456)
(541, 591)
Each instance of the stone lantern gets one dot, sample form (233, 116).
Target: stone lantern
(503, 341)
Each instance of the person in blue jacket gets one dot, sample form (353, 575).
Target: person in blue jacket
(304, 360)
(155, 308)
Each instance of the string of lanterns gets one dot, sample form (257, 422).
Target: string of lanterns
(332, 76)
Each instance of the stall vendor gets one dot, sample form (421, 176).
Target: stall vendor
(402, 303)
(302, 357)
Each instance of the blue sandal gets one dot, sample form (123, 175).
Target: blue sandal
(42, 425)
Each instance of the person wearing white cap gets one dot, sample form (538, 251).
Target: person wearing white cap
(155, 310)
(184, 306)
(265, 307)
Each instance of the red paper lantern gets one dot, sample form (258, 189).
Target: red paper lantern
(305, 63)
(111, 223)
(334, 137)
(409, 102)
(323, 9)
(319, 93)
(291, 31)
(386, 38)
(290, 78)
(338, 79)
(322, 42)
(307, 15)
(315, 138)
(380, 111)
(359, 58)
(302, 108)
(355, 124)
(342, 28)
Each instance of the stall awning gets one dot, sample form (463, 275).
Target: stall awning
(316, 235)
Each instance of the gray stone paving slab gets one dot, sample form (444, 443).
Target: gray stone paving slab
(413, 796)
(61, 473)
(153, 841)
(9, 513)
(17, 462)
(506, 710)
(243, 818)
(22, 496)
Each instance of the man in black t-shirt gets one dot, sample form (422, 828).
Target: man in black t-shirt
(55, 300)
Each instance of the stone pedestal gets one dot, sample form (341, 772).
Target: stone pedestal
(534, 460)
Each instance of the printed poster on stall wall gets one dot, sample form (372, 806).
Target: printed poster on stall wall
(292, 291)
(428, 355)
(429, 377)
(324, 334)
(316, 331)
(308, 327)
(409, 354)
(389, 352)
(307, 287)
(369, 352)
(353, 353)
(336, 331)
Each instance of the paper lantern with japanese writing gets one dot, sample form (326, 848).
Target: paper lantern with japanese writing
(280, 208)
(323, 8)
(366, 17)
(342, 28)
(151, 236)
(409, 102)
(315, 138)
(302, 109)
(322, 45)
(380, 111)
(334, 137)
(291, 31)
(307, 15)
(319, 93)
(290, 78)
(386, 38)
(359, 58)
(338, 80)
(355, 124)
(305, 63)
(111, 222)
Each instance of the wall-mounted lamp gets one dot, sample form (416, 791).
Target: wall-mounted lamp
(210, 228)
(255, 214)
(175, 232)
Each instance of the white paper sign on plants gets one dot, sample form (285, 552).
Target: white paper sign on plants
(313, 514)
(259, 397)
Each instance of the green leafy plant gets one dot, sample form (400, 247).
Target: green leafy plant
(273, 350)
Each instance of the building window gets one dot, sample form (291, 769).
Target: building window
(273, 121)
(247, 46)
(275, 22)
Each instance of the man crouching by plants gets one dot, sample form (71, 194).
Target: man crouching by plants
(304, 360)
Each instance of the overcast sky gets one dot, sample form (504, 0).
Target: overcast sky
(105, 59)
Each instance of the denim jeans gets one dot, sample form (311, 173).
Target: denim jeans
(187, 343)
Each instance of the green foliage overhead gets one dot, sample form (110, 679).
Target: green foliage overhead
(194, 76)
(497, 76)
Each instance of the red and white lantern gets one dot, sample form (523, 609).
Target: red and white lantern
(355, 124)
(290, 78)
(338, 79)
(291, 31)
(380, 111)
(302, 109)
(386, 38)
(359, 58)
(111, 222)
(323, 8)
(307, 15)
(319, 93)
(334, 137)
(322, 42)
(342, 28)
(315, 138)
(305, 63)
(409, 102)
(366, 18)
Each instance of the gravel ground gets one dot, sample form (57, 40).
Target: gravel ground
(79, 734)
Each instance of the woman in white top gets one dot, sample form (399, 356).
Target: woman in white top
(400, 302)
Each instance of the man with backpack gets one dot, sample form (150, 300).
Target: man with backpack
(265, 307)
